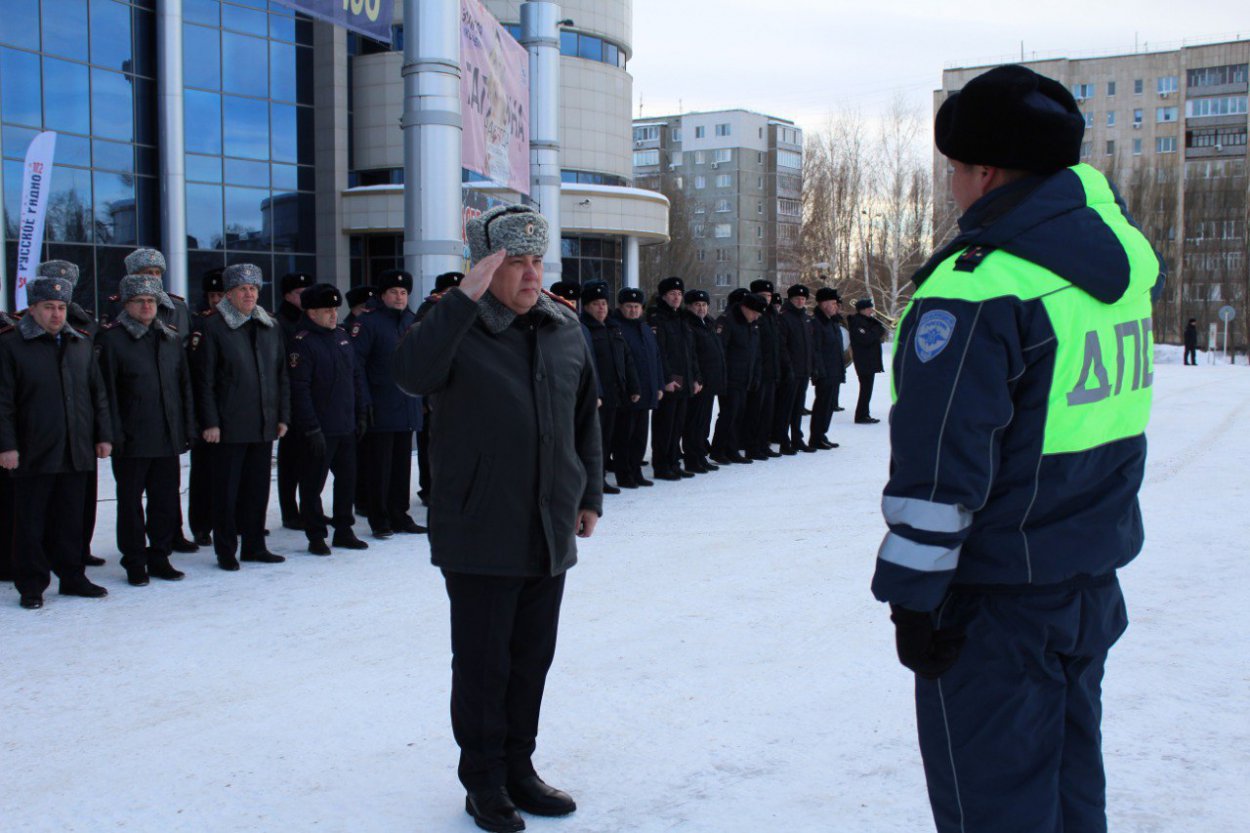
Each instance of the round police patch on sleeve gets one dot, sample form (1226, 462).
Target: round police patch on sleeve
(933, 333)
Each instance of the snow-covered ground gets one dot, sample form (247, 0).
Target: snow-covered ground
(722, 666)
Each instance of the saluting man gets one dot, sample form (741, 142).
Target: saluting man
(242, 399)
(145, 372)
(54, 424)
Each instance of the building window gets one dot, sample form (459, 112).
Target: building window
(1229, 105)
(1165, 144)
(1089, 120)
(700, 182)
(1082, 91)
(724, 180)
(722, 155)
(1085, 150)
(579, 45)
(1221, 137)
(700, 255)
(644, 158)
(649, 133)
(675, 134)
(1137, 117)
(759, 206)
(722, 205)
(1165, 114)
(1217, 76)
(722, 130)
(759, 231)
(680, 182)
(722, 279)
(585, 259)
(721, 255)
(1137, 86)
(759, 182)
(699, 131)
(1110, 88)
(789, 159)
(699, 157)
(1166, 84)
(674, 159)
(759, 255)
(566, 175)
(788, 232)
(698, 208)
(1110, 147)
(723, 230)
(1111, 118)
(789, 208)
(699, 229)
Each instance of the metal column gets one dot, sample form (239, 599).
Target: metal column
(540, 34)
(631, 262)
(432, 133)
(173, 160)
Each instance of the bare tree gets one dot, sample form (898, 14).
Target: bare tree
(679, 256)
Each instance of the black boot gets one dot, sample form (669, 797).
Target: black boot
(182, 545)
(318, 546)
(135, 576)
(347, 540)
(493, 810)
(609, 489)
(159, 567)
(411, 527)
(82, 587)
(534, 797)
(263, 557)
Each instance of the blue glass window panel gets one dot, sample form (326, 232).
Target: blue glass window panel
(207, 12)
(611, 53)
(69, 217)
(245, 223)
(255, 4)
(204, 230)
(73, 150)
(113, 156)
(282, 71)
(285, 178)
(243, 62)
(110, 35)
(148, 224)
(68, 103)
(12, 196)
(145, 43)
(21, 23)
(244, 20)
(116, 210)
(145, 111)
(590, 47)
(285, 133)
(203, 168)
(246, 127)
(201, 57)
(253, 174)
(65, 28)
(20, 87)
(282, 27)
(112, 109)
(17, 140)
(202, 117)
(303, 30)
(294, 222)
(568, 43)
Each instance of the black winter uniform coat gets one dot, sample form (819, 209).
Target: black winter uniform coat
(179, 318)
(708, 351)
(328, 387)
(375, 334)
(741, 343)
(867, 334)
(645, 351)
(827, 347)
(515, 447)
(676, 349)
(797, 339)
(618, 378)
(149, 388)
(239, 378)
(53, 406)
(774, 362)
(290, 319)
(1191, 337)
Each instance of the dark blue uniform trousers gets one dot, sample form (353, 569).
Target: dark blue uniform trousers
(1011, 735)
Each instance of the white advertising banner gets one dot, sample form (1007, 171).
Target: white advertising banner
(36, 182)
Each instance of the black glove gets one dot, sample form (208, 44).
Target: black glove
(316, 443)
(921, 648)
(364, 421)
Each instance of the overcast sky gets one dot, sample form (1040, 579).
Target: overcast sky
(802, 59)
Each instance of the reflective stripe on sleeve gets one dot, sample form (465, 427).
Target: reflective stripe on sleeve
(925, 514)
(922, 557)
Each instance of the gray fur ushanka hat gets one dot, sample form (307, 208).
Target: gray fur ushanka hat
(144, 259)
(242, 273)
(134, 285)
(62, 269)
(49, 289)
(518, 228)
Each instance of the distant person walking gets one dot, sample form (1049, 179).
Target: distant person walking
(1191, 342)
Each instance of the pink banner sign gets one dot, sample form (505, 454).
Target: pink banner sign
(494, 99)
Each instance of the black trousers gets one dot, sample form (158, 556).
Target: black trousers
(240, 497)
(694, 444)
(865, 395)
(423, 461)
(503, 639)
(822, 409)
(797, 402)
(292, 451)
(727, 441)
(6, 526)
(759, 418)
(666, 425)
(783, 404)
(340, 458)
(50, 537)
(160, 478)
(607, 430)
(629, 443)
(200, 491)
(385, 470)
(89, 508)
(1191, 355)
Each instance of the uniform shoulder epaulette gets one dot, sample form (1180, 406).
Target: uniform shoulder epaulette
(84, 332)
(564, 301)
(7, 328)
(176, 297)
(433, 297)
(17, 316)
(207, 313)
(367, 310)
(115, 298)
(300, 335)
(972, 258)
(173, 327)
(110, 325)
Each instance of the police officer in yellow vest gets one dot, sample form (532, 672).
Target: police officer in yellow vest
(1022, 383)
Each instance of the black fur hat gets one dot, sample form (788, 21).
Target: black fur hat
(631, 295)
(292, 281)
(392, 279)
(568, 290)
(762, 286)
(694, 296)
(1011, 117)
(755, 301)
(359, 294)
(669, 284)
(447, 280)
(827, 293)
(798, 291)
(594, 291)
(321, 296)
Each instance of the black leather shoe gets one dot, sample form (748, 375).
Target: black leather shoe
(825, 445)
(318, 547)
(642, 481)
(788, 450)
(533, 796)
(348, 541)
(84, 588)
(626, 482)
(718, 458)
(836, 409)
(493, 810)
(709, 466)
(263, 557)
(159, 567)
(410, 527)
(382, 532)
(90, 560)
(137, 576)
(867, 421)
(743, 460)
(806, 447)
(609, 489)
(32, 601)
(771, 453)
(228, 563)
(667, 475)
(182, 545)
(204, 539)
(685, 473)
(293, 523)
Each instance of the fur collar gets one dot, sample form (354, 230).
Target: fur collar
(496, 317)
(30, 329)
(235, 319)
(138, 331)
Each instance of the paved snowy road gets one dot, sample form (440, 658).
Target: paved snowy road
(722, 667)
